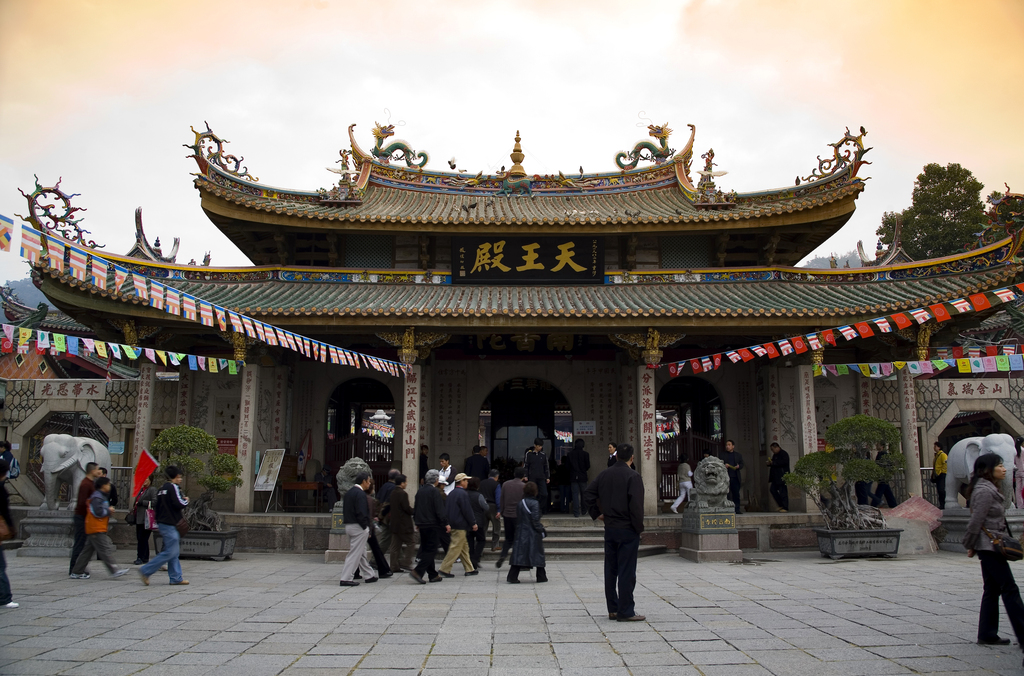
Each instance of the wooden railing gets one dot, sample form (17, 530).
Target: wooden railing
(378, 454)
(692, 446)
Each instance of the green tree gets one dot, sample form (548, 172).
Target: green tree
(829, 477)
(945, 214)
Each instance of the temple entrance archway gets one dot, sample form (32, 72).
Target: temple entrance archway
(688, 418)
(518, 411)
(361, 423)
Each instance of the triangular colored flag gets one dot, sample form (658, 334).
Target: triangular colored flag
(42, 339)
(940, 364)
(831, 368)
(115, 349)
(977, 366)
(205, 313)
(829, 337)
(733, 356)
(89, 344)
(24, 335)
(249, 330)
(99, 272)
(202, 363)
(77, 260)
(259, 331)
(914, 367)
(848, 332)
(785, 347)
(717, 359)
(961, 305)
(143, 470)
(172, 303)
(162, 356)
(130, 352)
(54, 252)
(899, 365)
(817, 371)
(174, 358)
(151, 355)
(120, 275)
(695, 365)
(236, 321)
(886, 369)
(759, 350)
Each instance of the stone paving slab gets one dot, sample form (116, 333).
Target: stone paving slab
(279, 614)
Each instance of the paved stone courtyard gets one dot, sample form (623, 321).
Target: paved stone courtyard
(284, 614)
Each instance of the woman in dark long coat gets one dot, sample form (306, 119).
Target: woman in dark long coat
(528, 549)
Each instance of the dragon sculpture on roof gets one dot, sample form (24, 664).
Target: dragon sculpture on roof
(654, 153)
(397, 150)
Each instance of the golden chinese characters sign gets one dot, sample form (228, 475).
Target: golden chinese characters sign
(523, 260)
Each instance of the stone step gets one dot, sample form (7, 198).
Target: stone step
(590, 553)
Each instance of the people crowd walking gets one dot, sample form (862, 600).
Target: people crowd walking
(170, 506)
(399, 518)
(528, 550)
(6, 597)
(491, 490)
(145, 500)
(431, 520)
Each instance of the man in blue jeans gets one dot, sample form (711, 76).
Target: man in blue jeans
(170, 504)
(616, 497)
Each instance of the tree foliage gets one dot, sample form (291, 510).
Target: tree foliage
(186, 447)
(945, 214)
(829, 476)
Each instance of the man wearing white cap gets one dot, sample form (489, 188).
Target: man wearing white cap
(461, 519)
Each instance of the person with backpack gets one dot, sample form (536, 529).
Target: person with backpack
(97, 521)
(170, 505)
(8, 456)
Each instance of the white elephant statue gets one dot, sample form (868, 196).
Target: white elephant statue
(64, 460)
(960, 464)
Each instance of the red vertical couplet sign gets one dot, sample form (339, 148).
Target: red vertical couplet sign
(411, 428)
(647, 414)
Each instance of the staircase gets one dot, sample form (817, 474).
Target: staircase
(571, 539)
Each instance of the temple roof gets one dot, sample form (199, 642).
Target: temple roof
(331, 299)
(376, 194)
(16, 312)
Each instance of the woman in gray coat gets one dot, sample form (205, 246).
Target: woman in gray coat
(528, 549)
(988, 520)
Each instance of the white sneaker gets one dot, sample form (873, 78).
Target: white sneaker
(81, 576)
(674, 511)
(119, 572)
(12, 604)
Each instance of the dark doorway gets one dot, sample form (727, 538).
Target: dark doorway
(520, 410)
(689, 423)
(361, 423)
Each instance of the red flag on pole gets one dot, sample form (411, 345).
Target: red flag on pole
(147, 465)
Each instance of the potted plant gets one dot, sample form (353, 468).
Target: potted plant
(830, 478)
(194, 452)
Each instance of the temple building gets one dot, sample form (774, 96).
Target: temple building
(604, 306)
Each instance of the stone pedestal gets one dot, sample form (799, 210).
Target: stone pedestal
(337, 540)
(50, 533)
(955, 522)
(710, 535)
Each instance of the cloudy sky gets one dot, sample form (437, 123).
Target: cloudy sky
(102, 93)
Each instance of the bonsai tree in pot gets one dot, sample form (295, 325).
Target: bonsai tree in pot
(185, 448)
(830, 477)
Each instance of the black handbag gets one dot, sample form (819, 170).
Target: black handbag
(1009, 547)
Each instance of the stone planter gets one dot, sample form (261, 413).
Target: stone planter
(848, 544)
(205, 544)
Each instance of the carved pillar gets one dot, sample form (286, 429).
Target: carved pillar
(143, 410)
(773, 425)
(183, 407)
(647, 452)
(247, 412)
(279, 407)
(908, 431)
(411, 426)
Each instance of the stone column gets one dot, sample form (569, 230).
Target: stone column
(279, 407)
(411, 427)
(908, 431)
(183, 407)
(247, 413)
(144, 410)
(773, 425)
(808, 418)
(648, 449)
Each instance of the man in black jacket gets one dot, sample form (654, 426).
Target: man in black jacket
(616, 497)
(477, 464)
(538, 472)
(383, 496)
(491, 490)
(460, 520)
(779, 464)
(430, 518)
(579, 465)
(356, 515)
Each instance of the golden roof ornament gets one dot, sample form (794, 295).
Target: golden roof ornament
(517, 156)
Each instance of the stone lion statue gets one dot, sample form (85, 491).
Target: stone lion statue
(347, 475)
(710, 486)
